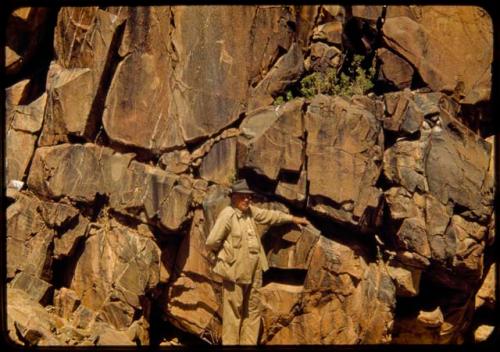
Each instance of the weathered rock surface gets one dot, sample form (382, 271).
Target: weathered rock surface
(348, 140)
(14, 95)
(219, 164)
(337, 277)
(31, 324)
(28, 322)
(395, 69)
(287, 70)
(141, 91)
(122, 141)
(486, 296)
(176, 105)
(21, 146)
(438, 174)
(28, 240)
(445, 36)
(293, 249)
(136, 189)
(112, 284)
(272, 140)
(23, 124)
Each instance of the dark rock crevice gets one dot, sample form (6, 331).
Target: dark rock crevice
(94, 123)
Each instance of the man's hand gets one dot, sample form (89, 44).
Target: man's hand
(300, 221)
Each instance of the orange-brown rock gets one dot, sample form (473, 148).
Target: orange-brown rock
(57, 172)
(291, 247)
(134, 188)
(69, 91)
(28, 322)
(66, 301)
(124, 134)
(20, 148)
(29, 240)
(85, 42)
(219, 164)
(285, 71)
(329, 32)
(37, 289)
(15, 94)
(347, 141)
(406, 279)
(483, 332)
(271, 140)
(323, 57)
(469, 245)
(338, 276)
(486, 296)
(431, 326)
(293, 189)
(141, 88)
(196, 283)
(280, 305)
(395, 69)
(112, 283)
(23, 123)
(465, 157)
(445, 36)
(29, 118)
(177, 105)
(176, 161)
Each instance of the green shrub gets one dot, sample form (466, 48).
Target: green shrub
(281, 99)
(357, 81)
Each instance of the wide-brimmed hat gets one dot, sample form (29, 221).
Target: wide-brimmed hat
(241, 186)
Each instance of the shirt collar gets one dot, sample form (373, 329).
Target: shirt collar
(241, 214)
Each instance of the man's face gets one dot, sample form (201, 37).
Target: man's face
(241, 201)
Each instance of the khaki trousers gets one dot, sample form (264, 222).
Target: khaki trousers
(241, 311)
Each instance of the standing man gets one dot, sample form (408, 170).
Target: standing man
(240, 261)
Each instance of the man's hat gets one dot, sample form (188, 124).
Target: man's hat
(241, 186)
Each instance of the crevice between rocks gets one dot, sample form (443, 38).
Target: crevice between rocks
(44, 55)
(97, 108)
(64, 269)
(341, 233)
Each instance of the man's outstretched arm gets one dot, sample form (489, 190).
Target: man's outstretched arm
(276, 217)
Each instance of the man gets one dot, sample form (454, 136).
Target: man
(240, 261)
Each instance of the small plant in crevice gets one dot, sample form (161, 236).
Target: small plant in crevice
(356, 80)
(281, 99)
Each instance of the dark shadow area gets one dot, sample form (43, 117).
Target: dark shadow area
(294, 277)
(479, 118)
(259, 183)
(94, 123)
(431, 296)
(36, 65)
(63, 269)
(418, 82)
(141, 154)
(289, 176)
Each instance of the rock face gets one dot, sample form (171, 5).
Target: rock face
(437, 37)
(354, 301)
(350, 140)
(123, 139)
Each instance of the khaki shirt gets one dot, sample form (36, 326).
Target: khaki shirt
(235, 241)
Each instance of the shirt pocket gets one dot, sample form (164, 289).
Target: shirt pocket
(227, 253)
(236, 239)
